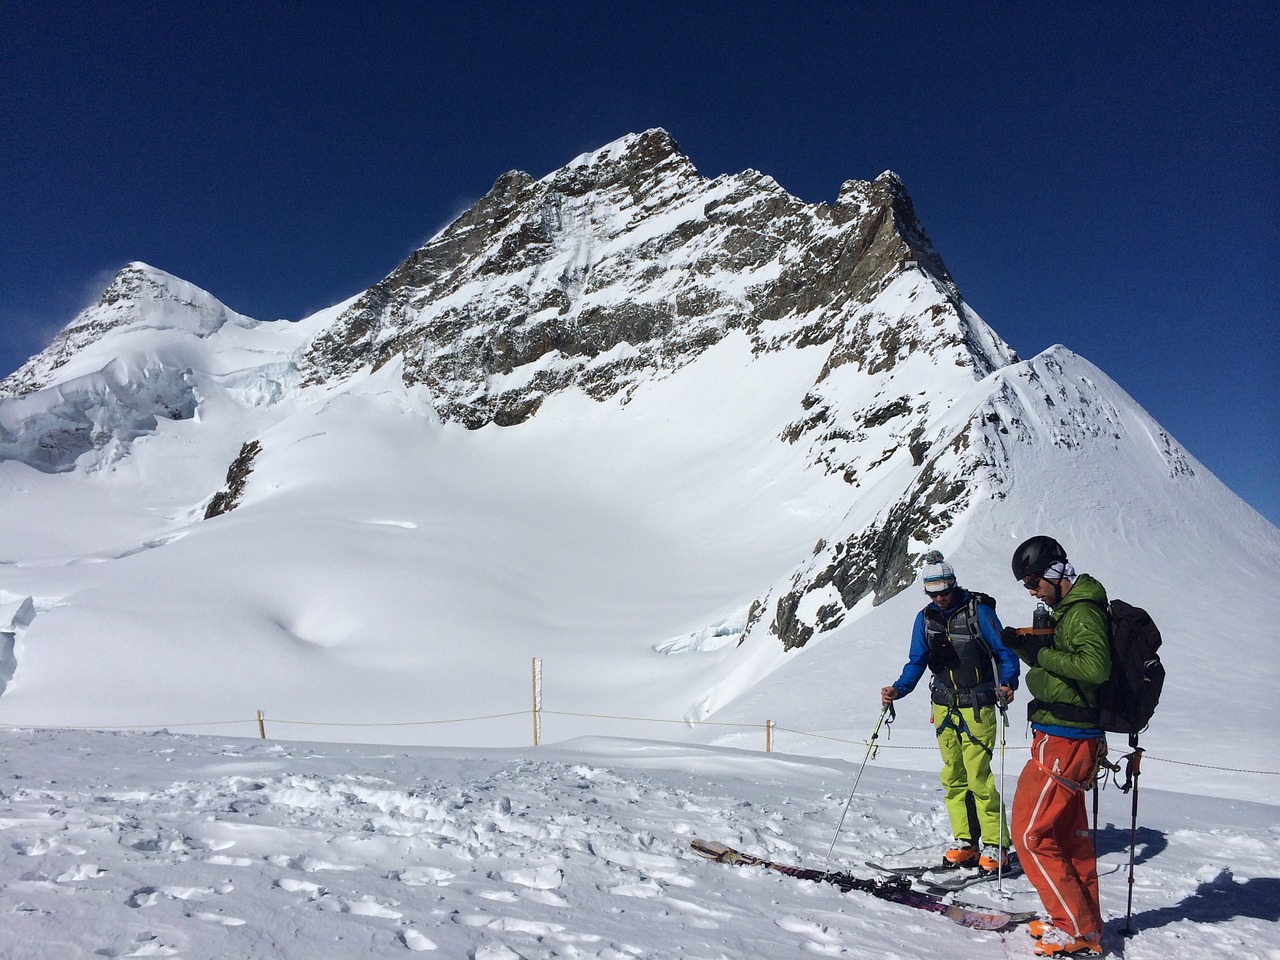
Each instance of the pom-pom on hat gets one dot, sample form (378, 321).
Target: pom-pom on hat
(938, 574)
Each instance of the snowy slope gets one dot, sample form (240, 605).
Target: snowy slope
(175, 846)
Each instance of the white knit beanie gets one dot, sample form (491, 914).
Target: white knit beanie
(938, 574)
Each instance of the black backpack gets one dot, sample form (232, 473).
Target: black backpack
(1129, 697)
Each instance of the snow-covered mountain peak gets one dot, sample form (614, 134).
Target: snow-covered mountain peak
(628, 154)
(139, 297)
(626, 264)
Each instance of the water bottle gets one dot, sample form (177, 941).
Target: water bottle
(1040, 620)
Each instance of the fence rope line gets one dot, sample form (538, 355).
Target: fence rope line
(1205, 766)
(687, 723)
(559, 713)
(857, 743)
(396, 723)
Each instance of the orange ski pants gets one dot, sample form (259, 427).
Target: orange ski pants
(1050, 828)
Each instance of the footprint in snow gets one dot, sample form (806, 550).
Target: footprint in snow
(415, 941)
(189, 893)
(817, 933)
(537, 878)
(82, 871)
(218, 918)
(311, 890)
(368, 907)
(546, 897)
(421, 876)
(220, 860)
(644, 889)
(495, 951)
(143, 897)
(145, 945)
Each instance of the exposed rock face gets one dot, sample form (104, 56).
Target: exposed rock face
(228, 498)
(877, 559)
(625, 264)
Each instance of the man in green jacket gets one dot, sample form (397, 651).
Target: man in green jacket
(1050, 821)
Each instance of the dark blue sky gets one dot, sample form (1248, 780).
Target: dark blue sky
(1100, 175)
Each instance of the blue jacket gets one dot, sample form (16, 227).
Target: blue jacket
(988, 625)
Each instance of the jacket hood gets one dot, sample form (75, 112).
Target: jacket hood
(1084, 589)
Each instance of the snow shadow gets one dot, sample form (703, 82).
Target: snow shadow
(1148, 843)
(1222, 898)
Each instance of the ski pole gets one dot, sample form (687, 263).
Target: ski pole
(1004, 819)
(1003, 828)
(1135, 764)
(871, 746)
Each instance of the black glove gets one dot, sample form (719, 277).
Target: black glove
(1025, 645)
(1010, 637)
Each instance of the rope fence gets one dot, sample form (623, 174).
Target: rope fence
(769, 727)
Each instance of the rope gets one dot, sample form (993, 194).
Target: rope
(608, 716)
(1205, 766)
(560, 713)
(401, 723)
(109, 726)
(858, 743)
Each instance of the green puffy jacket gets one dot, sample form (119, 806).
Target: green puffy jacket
(1079, 661)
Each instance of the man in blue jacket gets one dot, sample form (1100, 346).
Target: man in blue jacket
(957, 636)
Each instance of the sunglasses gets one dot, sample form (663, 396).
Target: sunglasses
(940, 593)
(1031, 582)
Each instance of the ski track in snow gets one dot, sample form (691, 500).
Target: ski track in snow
(152, 845)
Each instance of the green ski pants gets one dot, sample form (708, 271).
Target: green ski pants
(967, 741)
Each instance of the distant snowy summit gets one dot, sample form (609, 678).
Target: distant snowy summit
(626, 264)
(139, 298)
(618, 270)
(122, 365)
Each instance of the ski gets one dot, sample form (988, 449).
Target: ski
(968, 879)
(893, 889)
(914, 870)
(942, 879)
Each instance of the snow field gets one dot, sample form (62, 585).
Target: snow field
(153, 845)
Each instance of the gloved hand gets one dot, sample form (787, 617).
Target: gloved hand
(1010, 637)
(1025, 645)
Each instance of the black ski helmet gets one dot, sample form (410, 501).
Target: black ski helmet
(1035, 556)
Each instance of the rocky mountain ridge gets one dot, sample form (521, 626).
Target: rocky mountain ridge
(626, 263)
(618, 270)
